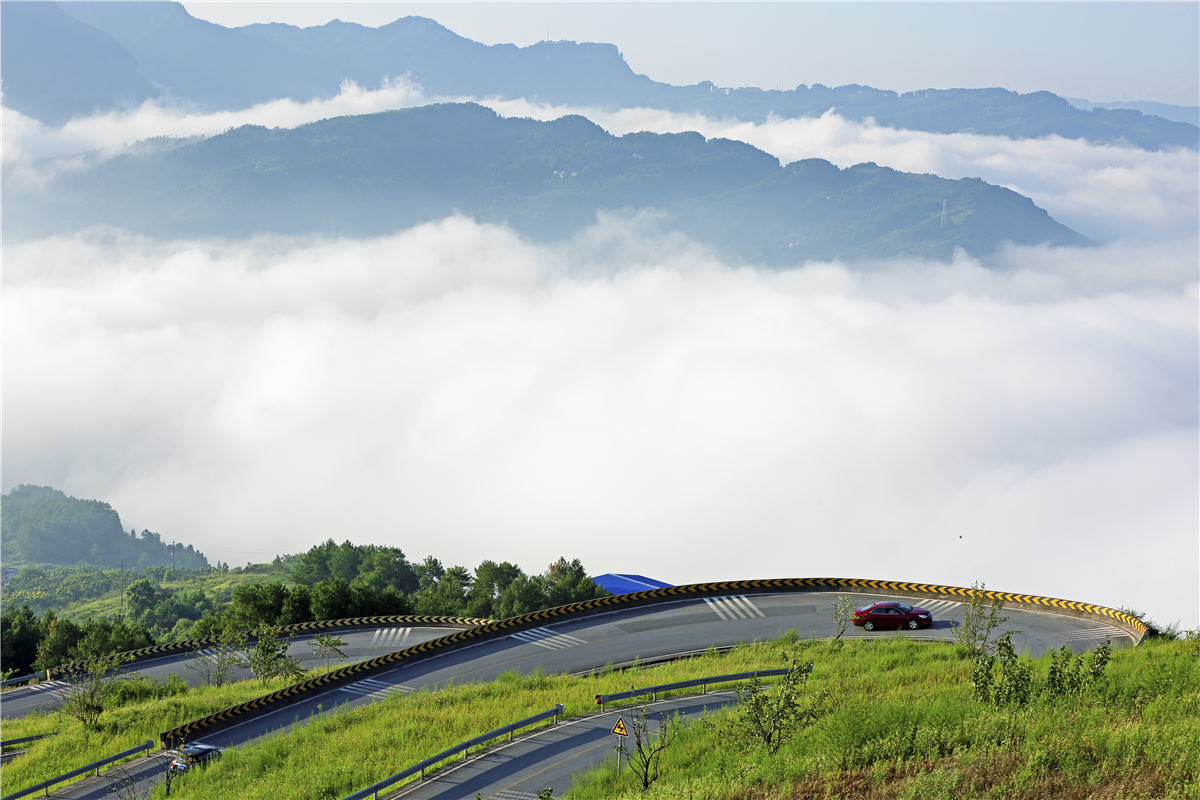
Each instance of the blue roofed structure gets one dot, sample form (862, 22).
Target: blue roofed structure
(624, 584)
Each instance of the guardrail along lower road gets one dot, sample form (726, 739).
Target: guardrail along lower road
(549, 758)
(66, 776)
(464, 747)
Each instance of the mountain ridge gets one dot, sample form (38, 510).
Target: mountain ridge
(375, 174)
(216, 68)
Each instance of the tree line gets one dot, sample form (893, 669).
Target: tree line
(329, 581)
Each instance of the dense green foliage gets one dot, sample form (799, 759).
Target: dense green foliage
(377, 173)
(28, 643)
(333, 581)
(45, 526)
(329, 581)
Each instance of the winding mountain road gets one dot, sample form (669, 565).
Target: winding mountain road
(548, 757)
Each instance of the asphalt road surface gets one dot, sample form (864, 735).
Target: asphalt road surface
(653, 632)
(618, 637)
(360, 645)
(549, 757)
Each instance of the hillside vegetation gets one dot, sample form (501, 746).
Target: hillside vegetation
(903, 721)
(54, 615)
(379, 173)
(43, 525)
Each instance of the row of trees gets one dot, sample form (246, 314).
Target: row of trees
(29, 644)
(330, 581)
(358, 581)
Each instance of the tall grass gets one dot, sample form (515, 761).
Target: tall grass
(311, 761)
(146, 709)
(905, 726)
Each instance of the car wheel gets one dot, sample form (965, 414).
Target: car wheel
(868, 625)
(912, 624)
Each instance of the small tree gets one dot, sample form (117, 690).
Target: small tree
(268, 658)
(86, 694)
(843, 614)
(648, 745)
(1015, 683)
(772, 718)
(326, 644)
(216, 664)
(979, 620)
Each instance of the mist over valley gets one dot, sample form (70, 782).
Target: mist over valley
(526, 296)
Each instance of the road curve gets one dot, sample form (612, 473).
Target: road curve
(709, 593)
(620, 636)
(645, 634)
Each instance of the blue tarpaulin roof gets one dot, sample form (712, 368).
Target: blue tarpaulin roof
(624, 584)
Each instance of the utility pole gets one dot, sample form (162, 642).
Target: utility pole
(122, 588)
(172, 559)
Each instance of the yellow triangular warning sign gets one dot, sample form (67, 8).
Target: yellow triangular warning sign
(619, 728)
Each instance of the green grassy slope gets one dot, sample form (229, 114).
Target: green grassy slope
(904, 724)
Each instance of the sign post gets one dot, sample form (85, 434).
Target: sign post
(621, 733)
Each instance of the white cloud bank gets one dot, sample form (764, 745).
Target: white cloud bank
(627, 399)
(1105, 192)
(111, 132)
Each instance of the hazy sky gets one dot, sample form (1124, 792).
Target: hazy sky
(1096, 51)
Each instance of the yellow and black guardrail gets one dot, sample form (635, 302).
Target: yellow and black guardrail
(601, 605)
(321, 626)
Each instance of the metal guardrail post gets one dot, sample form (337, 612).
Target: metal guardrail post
(374, 789)
(603, 699)
(22, 679)
(96, 765)
(24, 739)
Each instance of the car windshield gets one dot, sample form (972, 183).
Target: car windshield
(903, 607)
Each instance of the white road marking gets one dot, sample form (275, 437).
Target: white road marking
(730, 608)
(1085, 634)
(390, 637)
(47, 686)
(943, 607)
(544, 637)
(512, 794)
(373, 687)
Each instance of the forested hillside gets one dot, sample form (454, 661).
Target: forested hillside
(45, 526)
(44, 624)
(378, 173)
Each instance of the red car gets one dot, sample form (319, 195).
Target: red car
(892, 614)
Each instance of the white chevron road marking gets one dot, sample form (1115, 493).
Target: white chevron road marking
(390, 637)
(1089, 634)
(731, 607)
(548, 639)
(373, 687)
(941, 607)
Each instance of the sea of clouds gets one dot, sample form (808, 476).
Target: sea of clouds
(1029, 420)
